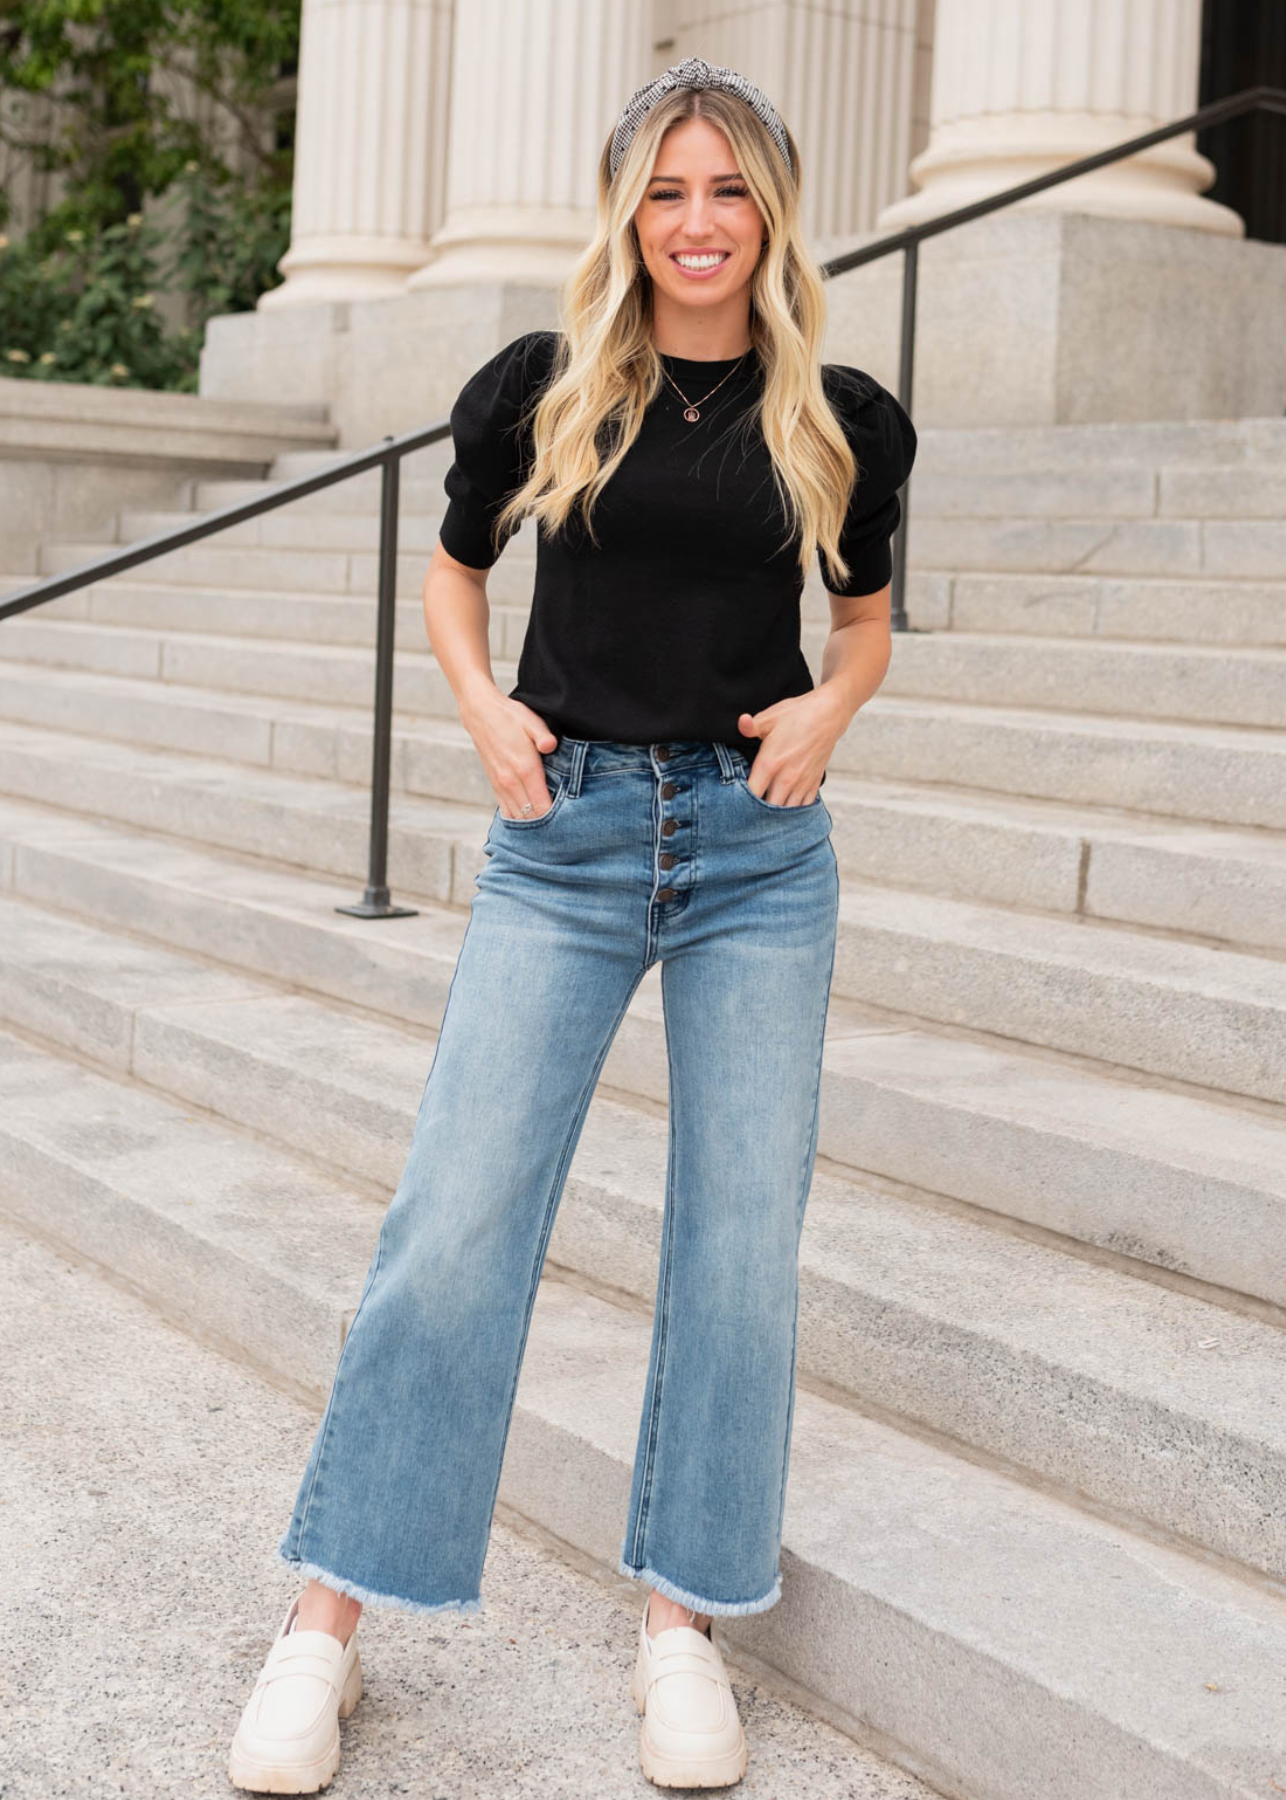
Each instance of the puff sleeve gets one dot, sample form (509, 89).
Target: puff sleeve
(490, 445)
(883, 440)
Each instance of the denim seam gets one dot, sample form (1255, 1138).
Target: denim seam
(582, 1106)
(805, 1184)
(663, 1305)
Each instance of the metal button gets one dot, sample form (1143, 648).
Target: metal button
(669, 828)
(666, 893)
(668, 791)
(662, 752)
(668, 859)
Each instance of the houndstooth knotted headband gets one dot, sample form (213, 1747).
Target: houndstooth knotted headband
(693, 72)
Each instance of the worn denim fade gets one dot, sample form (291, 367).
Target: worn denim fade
(396, 1500)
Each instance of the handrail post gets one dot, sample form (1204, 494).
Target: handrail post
(375, 903)
(906, 362)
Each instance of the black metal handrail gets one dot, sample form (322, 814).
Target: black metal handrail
(1254, 99)
(387, 456)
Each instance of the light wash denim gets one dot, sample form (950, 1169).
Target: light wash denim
(396, 1501)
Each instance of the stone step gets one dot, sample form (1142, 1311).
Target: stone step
(890, 1309)
(942, 488)
(1175, 772)
(912, 1577)
(289, 465)
(1200, 684)
(134, 427)
(432, 757)
(1202, 610)
(1158, 443)
(1204, 772)
(287, 528)
(435, 846)
(1206, 684)
(1228, 549)
(213, 562)
(420, 490)
(1166, 1007)
(250, 613)
(333, 674)
(1213, 882)
(1206, 881)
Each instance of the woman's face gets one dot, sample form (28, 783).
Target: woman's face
(696, 201)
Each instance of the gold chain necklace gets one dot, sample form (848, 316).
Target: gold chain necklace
(692, 408)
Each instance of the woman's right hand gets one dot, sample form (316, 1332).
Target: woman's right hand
(510, 739)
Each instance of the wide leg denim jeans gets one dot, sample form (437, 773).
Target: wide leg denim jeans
(648, 852)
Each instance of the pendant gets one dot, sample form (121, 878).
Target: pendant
(691, 414)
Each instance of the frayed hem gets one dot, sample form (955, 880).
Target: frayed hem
(722, 1609)
(370, 1596)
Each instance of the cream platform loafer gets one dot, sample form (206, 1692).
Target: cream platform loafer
(288, 1738)
(691, 1736)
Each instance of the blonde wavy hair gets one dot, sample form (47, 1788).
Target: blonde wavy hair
(607, 370)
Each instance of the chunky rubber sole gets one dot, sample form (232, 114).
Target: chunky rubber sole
(685, 1771)
(262, 1776)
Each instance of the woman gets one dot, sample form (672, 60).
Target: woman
(657, 769)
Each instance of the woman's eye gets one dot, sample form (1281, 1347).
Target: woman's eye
(731, 193)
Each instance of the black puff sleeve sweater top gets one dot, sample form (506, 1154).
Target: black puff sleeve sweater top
(686, 613)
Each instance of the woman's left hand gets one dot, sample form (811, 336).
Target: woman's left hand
(799, 738)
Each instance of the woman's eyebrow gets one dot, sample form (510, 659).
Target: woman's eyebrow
(735, 176)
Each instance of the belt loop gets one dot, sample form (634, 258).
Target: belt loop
(580, 749)
(727, 767)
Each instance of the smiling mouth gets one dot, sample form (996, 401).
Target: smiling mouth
(701, 260)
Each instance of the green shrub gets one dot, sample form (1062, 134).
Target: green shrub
(79, 294)
(85, 310)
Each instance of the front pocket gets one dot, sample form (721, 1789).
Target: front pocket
(743, 782)
(557, 785)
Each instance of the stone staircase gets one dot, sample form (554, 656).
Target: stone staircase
(1035, 1541)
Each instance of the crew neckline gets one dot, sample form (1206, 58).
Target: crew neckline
(707, 362)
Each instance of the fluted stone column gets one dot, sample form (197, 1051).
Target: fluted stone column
(842, 75)
(1023, 86)
(535, 89)
(369, 147)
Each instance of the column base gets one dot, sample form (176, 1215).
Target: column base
(535, 246)
(1041, 318)
(344, 267)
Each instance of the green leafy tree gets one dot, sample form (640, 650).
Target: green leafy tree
(77, 295)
